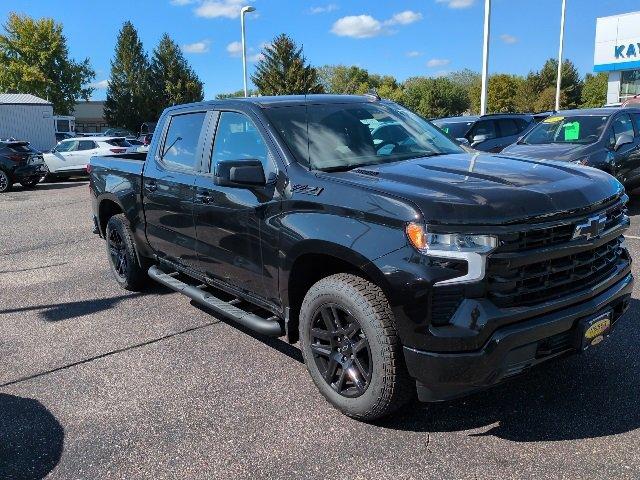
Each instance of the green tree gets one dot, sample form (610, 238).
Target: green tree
(434, 97)
(236, 94)
(35, 59)
(172, 80)
(128, 101)
(594, 90)
(502, 93)
(340, 79)
(284, 70)
(534, 91)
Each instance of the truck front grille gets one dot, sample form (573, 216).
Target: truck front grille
(556, 234)
(551, 279)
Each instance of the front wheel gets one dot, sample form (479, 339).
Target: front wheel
(351, 348)
(122, 254)
(5, 182)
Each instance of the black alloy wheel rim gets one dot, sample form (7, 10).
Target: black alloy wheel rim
(341, 350)
(118, 253)
(4, 181)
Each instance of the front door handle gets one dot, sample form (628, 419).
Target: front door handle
(151, 186)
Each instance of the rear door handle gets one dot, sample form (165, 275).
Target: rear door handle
(151, 186)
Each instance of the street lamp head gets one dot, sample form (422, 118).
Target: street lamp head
(247, 9)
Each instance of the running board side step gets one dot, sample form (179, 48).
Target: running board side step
(269, 327)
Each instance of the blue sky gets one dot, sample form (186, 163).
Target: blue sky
(402, 38)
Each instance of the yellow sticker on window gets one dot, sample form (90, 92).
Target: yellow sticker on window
(553, 119)
(571, 131)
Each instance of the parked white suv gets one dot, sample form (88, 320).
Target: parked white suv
(71, 156)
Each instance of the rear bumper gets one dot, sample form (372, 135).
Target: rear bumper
(29, 171)
(511, 350)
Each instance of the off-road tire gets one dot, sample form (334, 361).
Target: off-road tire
(133, 277)
(390, 386)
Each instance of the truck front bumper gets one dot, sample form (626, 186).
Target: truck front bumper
(513, 349)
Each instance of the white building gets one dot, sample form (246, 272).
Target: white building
(29, 118)
(617, 52)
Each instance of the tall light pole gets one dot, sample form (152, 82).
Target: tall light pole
(244, 10)
(564, 7)
(485, 57)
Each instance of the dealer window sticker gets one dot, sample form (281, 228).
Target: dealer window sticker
(553, 119)
(571, 131)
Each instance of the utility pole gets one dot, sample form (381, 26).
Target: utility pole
(244, 10)
(558, 85)
(485, 57)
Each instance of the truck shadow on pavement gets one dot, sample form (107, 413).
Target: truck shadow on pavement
(31, 439)
(57, 312)
(591, 395)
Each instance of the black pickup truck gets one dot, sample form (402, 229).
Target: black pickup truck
(400, 262)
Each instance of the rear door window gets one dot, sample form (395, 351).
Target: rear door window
(508, 127)
(180, 147)
(484, 127)
(86, 145)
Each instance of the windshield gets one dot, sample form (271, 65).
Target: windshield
(333, 137)
(454, 129)
(582, 129)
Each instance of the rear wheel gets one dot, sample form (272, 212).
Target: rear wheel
(351, 348)
(122, 254)
(5, 182)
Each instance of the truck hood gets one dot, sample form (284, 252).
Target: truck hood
(552, 151)
(484, 189)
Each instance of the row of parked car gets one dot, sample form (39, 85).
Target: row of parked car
(604, 138)
(21, 163)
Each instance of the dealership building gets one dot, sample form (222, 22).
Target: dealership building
(617, 52)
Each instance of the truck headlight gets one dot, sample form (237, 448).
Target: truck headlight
(471, 248)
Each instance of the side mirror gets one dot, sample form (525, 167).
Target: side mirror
(237, 173)
(463, 141)
(623, 139)
(479, 139)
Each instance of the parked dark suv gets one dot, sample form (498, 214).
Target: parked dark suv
(604, 138)
(489, 133)
(19, 163)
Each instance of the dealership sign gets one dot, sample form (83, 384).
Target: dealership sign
(617, 43)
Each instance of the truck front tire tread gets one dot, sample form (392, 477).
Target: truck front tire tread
(391, 384)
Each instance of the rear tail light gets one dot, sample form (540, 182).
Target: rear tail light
(118, 150)
(16, 158)
(89, 168)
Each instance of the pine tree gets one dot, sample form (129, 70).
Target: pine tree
(173, 81)
(128, 99)
(283, 70)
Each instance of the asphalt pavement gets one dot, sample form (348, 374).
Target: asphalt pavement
(96, 382)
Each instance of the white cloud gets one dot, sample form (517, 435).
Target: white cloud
(510, 39)
(323, 9)
(438, 62)
(413, 53)
(181, 3)
(404, 18)
(234, 49)
(101, 85)
(357, 26)
(220, 8)
(365, 26)
(458, 3)
(197, 47)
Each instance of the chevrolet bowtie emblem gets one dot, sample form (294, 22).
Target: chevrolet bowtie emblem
(592, 228)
